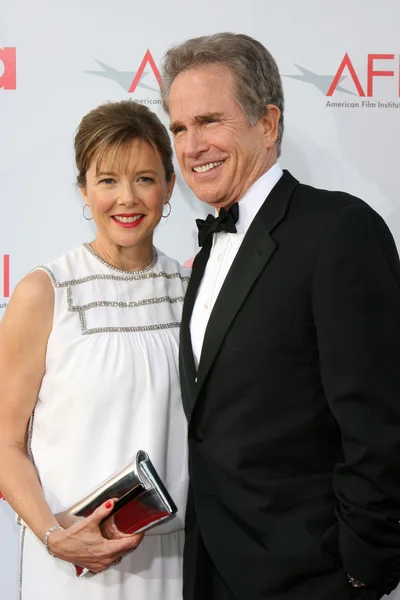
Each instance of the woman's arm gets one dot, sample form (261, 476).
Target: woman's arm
(24, 332)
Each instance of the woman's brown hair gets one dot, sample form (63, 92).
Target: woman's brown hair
(113, 127)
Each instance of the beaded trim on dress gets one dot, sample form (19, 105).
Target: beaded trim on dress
(90, 305)
(89, 248)
(61, 284)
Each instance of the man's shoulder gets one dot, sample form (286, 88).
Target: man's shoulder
(321, 206)
(313, 211)
(331, 201)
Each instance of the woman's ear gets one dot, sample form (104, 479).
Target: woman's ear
(83, 190)
(170, 188)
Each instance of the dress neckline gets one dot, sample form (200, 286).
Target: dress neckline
(149, 267)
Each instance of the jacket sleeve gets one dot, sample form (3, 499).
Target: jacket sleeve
(356, 305)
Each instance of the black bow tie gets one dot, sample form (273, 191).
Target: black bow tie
(224, 222)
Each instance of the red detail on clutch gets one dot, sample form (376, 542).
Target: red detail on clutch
(136, 515)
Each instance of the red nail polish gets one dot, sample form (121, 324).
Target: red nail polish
(108, 504)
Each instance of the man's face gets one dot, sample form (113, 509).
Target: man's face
(220, 154)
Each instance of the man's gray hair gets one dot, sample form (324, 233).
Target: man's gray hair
(257, 79)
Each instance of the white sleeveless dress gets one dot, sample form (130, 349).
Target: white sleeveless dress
(111, 387)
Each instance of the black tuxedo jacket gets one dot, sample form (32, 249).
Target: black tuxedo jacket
(294, 412)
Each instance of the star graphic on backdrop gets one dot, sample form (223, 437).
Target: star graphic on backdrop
(124, 78)
(322, 82)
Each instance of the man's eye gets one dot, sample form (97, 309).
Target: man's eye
(177, 130)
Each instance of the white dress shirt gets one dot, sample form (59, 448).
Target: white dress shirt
(223, 251)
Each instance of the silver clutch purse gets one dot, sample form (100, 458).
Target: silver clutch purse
(141, 498)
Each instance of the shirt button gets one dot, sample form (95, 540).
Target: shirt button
(195, 380)
(219, 257)
(206, 305)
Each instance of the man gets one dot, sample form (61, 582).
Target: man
(290, 353)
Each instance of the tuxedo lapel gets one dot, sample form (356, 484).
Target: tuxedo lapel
(256, 250)
(187, 364)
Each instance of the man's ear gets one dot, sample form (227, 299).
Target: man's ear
(270, 124)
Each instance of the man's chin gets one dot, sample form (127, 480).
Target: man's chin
(213, 198)
(207, 192)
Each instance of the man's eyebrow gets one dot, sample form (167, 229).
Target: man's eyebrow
(205, 118)
(211, 116)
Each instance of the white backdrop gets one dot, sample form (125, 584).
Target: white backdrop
(60, 59)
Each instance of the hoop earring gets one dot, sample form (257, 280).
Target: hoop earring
(169, 212)
(84, 214)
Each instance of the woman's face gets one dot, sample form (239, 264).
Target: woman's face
(126, 196)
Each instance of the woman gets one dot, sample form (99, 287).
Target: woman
(89, 374)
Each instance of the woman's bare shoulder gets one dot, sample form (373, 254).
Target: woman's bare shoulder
(32, 300)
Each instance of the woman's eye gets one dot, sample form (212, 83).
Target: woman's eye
(107, 181)
(146, 179)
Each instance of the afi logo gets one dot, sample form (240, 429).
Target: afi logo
(146, 59)
(8, 58)
(130, 80)
(372, 72)
(6, 275)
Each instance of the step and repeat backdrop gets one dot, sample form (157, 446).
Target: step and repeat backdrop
(340, 63)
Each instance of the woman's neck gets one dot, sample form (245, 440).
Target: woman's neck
(135, 258)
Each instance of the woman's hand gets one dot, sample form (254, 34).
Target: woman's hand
(83, 544)
(110, 531)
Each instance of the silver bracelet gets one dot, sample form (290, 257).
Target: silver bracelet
(46, 538)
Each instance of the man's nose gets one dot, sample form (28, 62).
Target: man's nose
(195, 143)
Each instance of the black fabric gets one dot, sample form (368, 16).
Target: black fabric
(209, 583)
(226, 221)
(294, 412)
